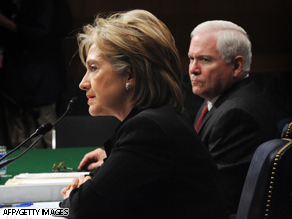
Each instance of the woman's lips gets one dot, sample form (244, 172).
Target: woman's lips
(89, 98)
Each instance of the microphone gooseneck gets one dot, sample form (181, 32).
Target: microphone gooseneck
(9, 161)
(69, 107)
(42, 130)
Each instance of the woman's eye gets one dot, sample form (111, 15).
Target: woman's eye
(92, 68)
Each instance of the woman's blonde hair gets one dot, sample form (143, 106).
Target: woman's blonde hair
(138, 41)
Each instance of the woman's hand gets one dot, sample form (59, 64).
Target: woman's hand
(75, 183)
(92, 159)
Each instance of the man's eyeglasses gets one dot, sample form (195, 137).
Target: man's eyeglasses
(62, 168)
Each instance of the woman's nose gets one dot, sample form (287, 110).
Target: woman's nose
(85, 83)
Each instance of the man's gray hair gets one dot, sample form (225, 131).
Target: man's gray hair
(232, 40)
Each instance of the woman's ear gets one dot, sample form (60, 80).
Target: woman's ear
(238, 65)
(129, 73)
(130, 77)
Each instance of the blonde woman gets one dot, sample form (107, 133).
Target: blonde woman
(156, 166)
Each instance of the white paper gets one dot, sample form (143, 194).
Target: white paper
(48, 181)
(49, 175)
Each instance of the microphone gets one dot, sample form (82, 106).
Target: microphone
(69, 107)
(43, 129)
(9, 161)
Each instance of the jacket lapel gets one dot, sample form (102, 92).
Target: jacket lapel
(221, 100)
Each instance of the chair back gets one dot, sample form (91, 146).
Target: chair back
(267, 189)
(84, 131)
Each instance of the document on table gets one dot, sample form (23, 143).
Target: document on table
(44, 178)
(36, 187)
(49, 175)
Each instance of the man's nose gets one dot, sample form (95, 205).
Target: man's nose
(194, 68)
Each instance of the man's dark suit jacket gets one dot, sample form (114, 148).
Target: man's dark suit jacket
(157, 167)
(237, 124)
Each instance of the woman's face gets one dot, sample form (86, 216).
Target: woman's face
(105, 89)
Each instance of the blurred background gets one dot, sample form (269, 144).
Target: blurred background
(267, 22)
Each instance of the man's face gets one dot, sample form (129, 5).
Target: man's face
(210, 75)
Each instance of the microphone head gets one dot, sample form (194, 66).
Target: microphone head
(43, 129)
(74, 100)
(72, 103)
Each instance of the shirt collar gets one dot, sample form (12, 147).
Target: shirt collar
(212, 102)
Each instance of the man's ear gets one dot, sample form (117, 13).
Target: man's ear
(238, 65)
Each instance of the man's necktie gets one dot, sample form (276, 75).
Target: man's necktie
(204, 113)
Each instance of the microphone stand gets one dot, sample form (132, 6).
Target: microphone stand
(9, 161)
(69, 107)
(43, 129)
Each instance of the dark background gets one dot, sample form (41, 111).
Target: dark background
(267, 22)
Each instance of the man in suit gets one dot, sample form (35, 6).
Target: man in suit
(237, 119)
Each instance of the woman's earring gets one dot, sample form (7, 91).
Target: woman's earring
(128, 86)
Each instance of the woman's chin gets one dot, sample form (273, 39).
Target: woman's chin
(97, 112)
(93, 112)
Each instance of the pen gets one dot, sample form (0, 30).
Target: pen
(25, 204)
(5, 176)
